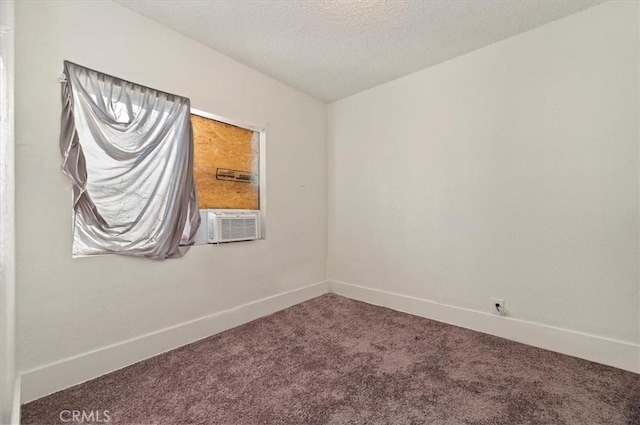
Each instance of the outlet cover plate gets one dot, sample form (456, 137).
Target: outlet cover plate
(497, 307)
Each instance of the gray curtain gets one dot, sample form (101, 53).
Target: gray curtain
(128, 151)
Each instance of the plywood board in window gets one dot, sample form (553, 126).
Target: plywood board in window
(225, 167)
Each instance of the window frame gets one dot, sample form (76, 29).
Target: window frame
(262, 158)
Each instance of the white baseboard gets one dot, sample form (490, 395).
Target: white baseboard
(15, 408)
(595, 348)
(65, 373)
(41, 381)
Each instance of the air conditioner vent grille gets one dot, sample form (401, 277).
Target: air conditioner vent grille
(230, 227)
(238, 228)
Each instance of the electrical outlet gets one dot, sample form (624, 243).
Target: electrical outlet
(497, 307)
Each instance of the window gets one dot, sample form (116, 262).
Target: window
(228, 167)
(139, 187)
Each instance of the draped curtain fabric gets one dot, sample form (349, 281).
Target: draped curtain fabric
(128, 151)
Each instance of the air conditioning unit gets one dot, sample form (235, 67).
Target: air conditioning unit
(233, 226)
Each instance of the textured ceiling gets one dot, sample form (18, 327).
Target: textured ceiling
(334, 48)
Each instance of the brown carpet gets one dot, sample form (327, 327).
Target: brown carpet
(332, 360)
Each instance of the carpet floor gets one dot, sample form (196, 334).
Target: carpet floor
(332, 360)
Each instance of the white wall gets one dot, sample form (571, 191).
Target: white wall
(511, 171)
(7, 213)
(68, 307)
